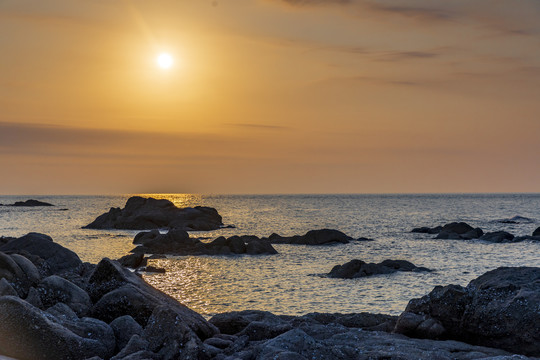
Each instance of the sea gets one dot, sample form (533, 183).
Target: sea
(293, 282)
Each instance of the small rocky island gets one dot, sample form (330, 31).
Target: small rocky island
(315, 237)
(28, 203)
(358, 268)
(464, 231)
(54, 306)
(149, 213)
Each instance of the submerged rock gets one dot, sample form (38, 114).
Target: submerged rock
(149, 213)
(516, 220)
(358, 268)
(498, 237)
(499, 309)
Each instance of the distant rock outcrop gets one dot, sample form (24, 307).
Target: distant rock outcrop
(28, 203)
(149, 213)
(452, 231)
(358, 268)
(498, 309)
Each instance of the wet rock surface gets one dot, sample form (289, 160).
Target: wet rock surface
(149, 213)
(106, 311)
(358, 268)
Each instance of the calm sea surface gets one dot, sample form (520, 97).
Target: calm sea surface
(287, 283)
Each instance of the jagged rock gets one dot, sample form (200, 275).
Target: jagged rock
(117, 291)
(124, 328)
(314, 237)
(149, 213)
(358, 268)
(29, 333)
(55, 289)
(57, 257)
(498, 237)
(498, 309)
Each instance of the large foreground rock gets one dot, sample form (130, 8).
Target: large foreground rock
(499, 309)
(262, 335)
(358, 268)
(149, 213)
(29, 333)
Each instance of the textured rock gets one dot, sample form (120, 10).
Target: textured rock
(54, 289)
(124, 327)
(498, 309)
(117, 291)
(28, 333)
(148, 213)
(358, 268)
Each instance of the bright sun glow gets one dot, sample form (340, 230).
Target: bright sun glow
(165, 60)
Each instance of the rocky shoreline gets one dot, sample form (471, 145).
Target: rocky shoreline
(52, 305)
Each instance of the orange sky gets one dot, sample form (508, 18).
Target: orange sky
(269, 96)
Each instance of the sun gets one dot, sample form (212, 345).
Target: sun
(165, 61)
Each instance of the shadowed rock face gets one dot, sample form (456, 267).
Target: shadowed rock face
(536, 232)
(148, 213)
(498, 309)
(358, 268)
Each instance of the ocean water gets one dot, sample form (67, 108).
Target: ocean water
(289, 283)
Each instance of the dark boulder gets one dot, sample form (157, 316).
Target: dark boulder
(452, 231)
(314, 237)
(358, 268)
(526, 238)
(29, 333)
(57, 257)
(498, 309)
(498, 237)
(260, 247)
(117, 291)
(124, 327)
(55, 289)
(149, 213)
(536, 232)
(30, 203)
(170, 337)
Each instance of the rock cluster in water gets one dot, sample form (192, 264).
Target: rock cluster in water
(54, 306)
(358, 268)
(149, 213)
(463, 231)
(178, 242)
(315, 237)
(28, 203)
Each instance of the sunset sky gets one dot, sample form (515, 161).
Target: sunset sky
(269, 96)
